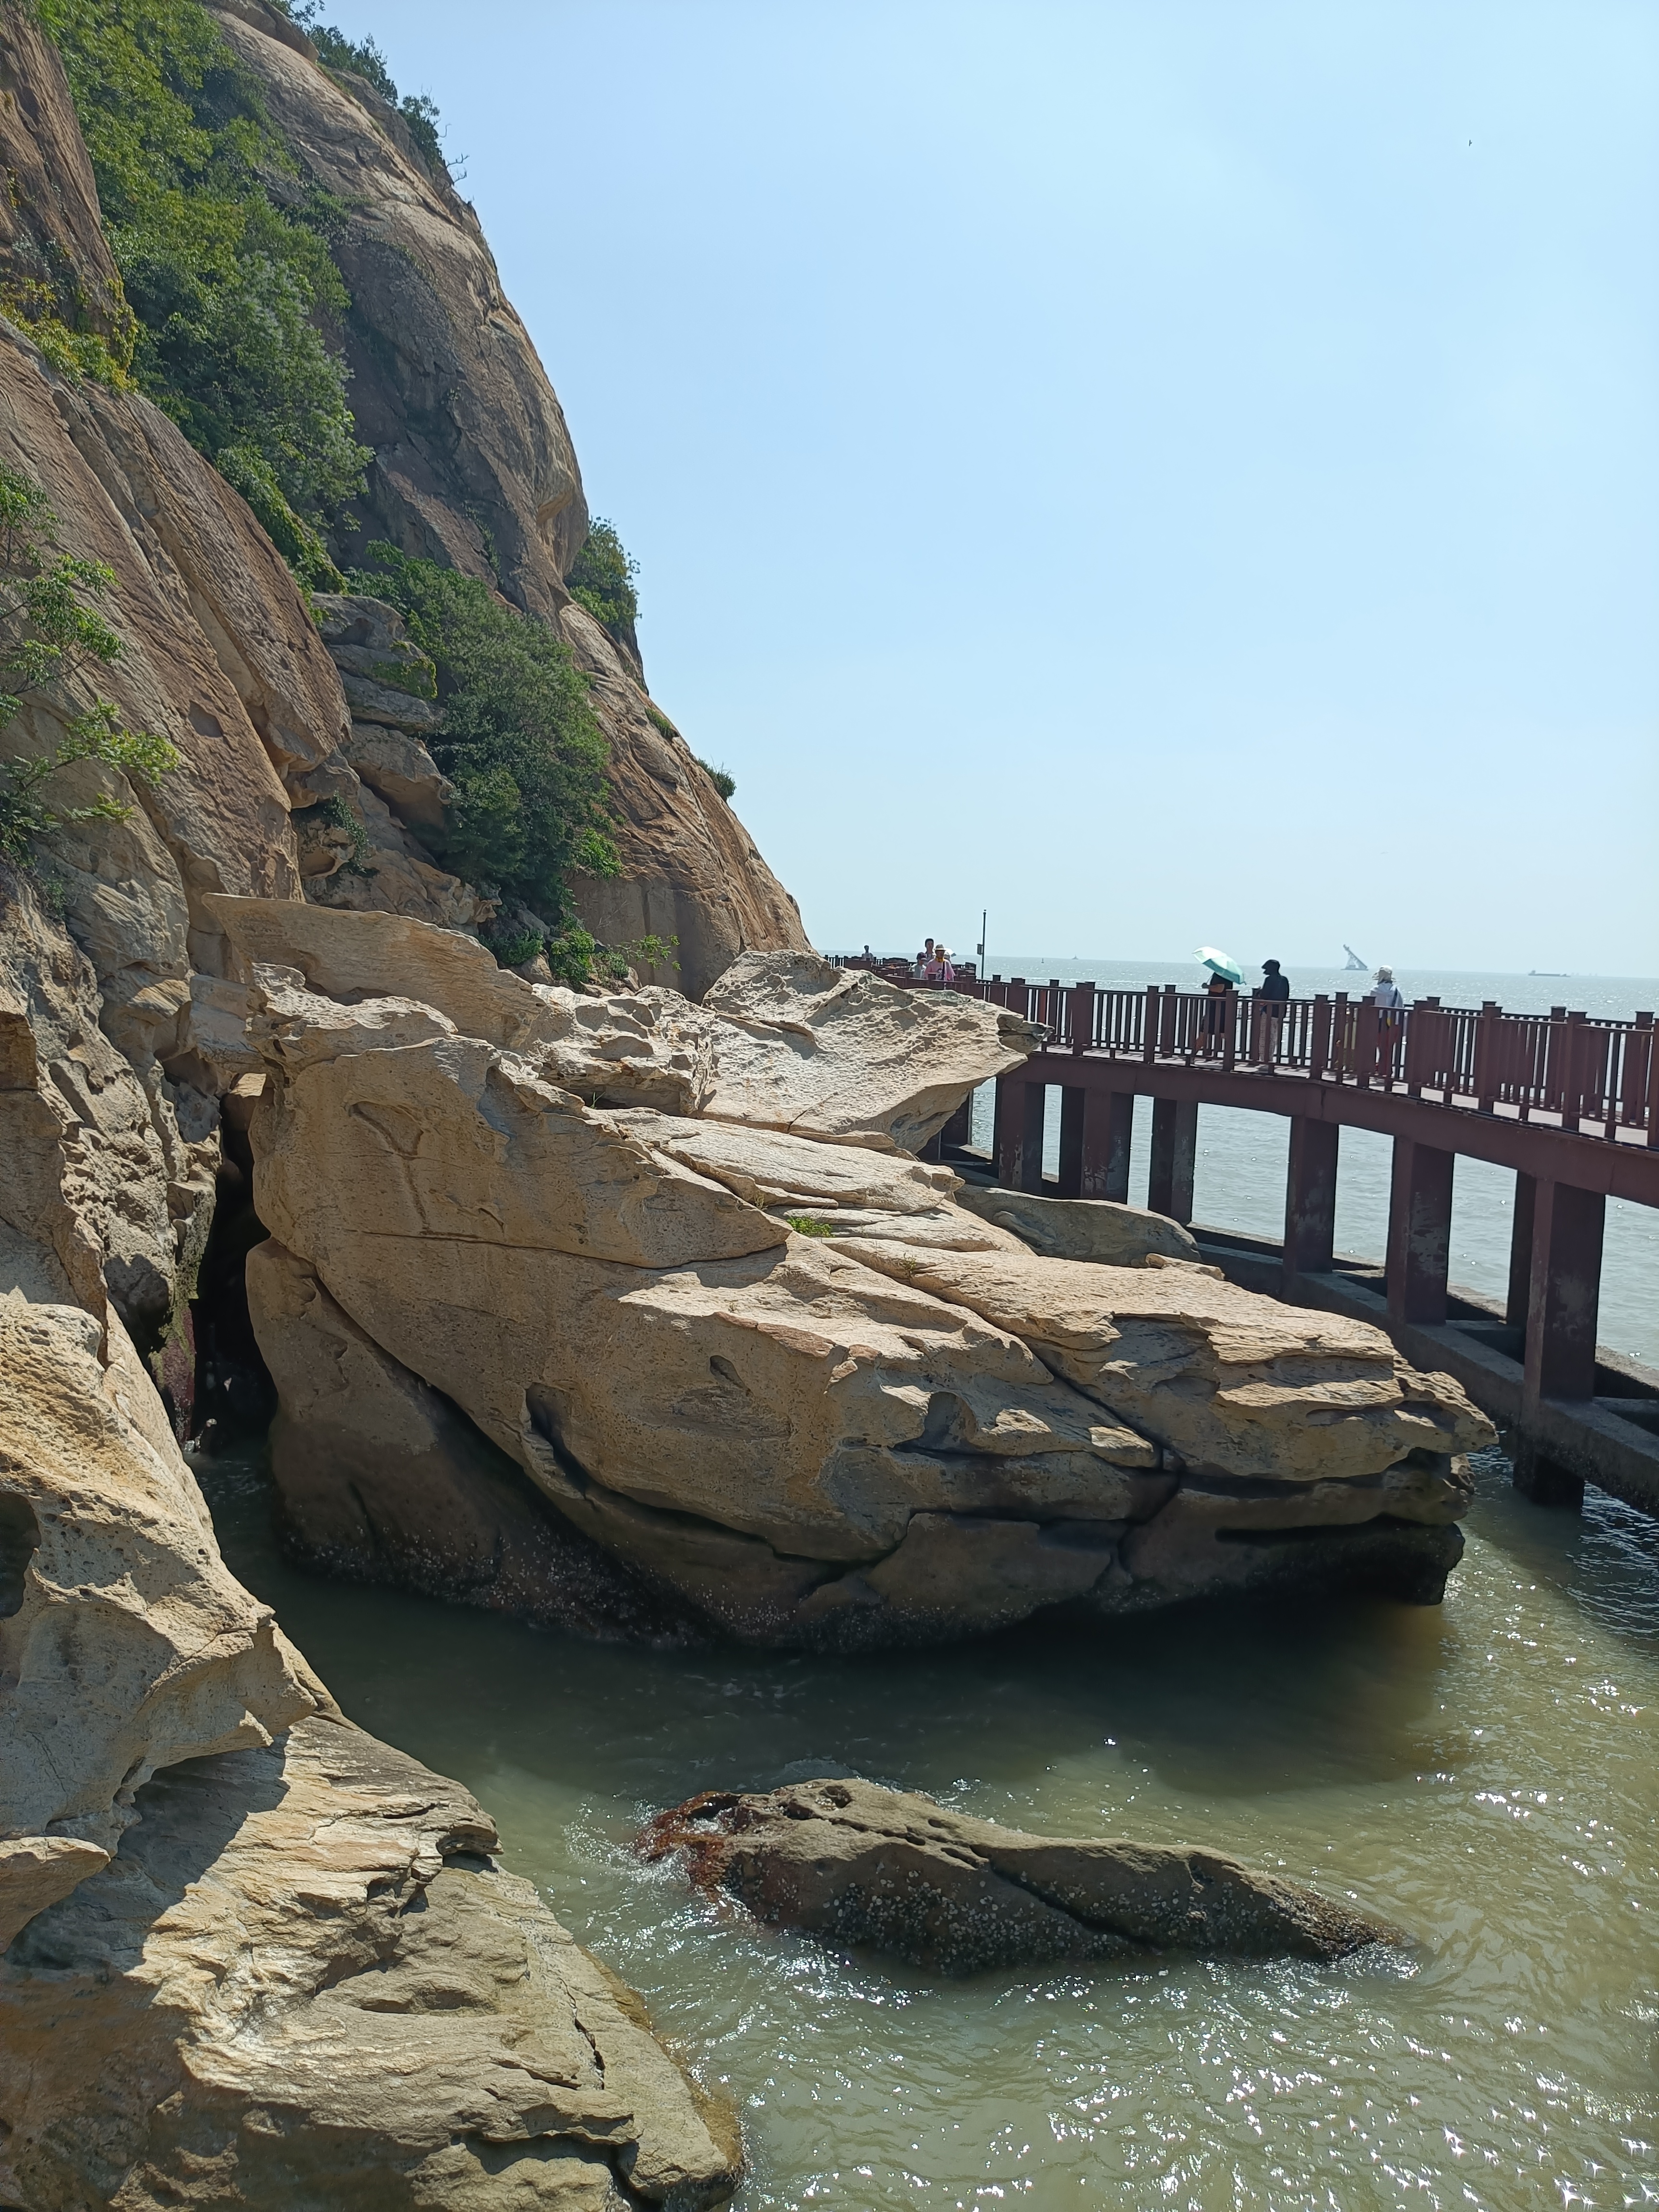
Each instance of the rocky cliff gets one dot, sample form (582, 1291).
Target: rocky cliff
(175, 1786)
(473, 466)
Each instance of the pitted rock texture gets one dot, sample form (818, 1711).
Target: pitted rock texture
(858, 1865)
(822, 1052)
(126, 1645)
(303, 1981)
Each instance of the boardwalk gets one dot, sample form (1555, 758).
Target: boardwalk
(1568, 1103)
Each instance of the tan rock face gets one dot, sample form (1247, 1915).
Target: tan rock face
(1239, 1385)
(908, 1428)
(1094, 1228)
(692, 872)
(124, 1643)
(845, 1191)
(384, 1481)
(824, 1052)
(445, 1137)
(471, 450)
(859, 1864)
(305, 1981)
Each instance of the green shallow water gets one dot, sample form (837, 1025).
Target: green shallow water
(1484, 1774)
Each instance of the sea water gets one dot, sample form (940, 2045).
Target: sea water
(1485, 1773)
(1239, 1181)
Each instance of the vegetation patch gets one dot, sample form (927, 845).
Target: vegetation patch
(519, 741)
(724, 784)
(601, 580)
(52, 633)
(226, 258)
(348, 58)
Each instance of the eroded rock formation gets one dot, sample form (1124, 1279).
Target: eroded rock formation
(858, 1865)
(305, 1981)
(785, 1378)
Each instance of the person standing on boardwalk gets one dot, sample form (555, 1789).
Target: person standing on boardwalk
(1216, 1013)
(1384, 995)
(1271, 995)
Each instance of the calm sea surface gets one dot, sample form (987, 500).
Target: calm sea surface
(1240, 1181)
(1487, 1774)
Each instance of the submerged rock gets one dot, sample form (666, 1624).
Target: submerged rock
(305, 1981)
(860, 1864)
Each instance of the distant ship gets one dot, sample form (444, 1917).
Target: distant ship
(1549, 971)
(1354, 960)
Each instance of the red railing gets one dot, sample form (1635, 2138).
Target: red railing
(1599, 1077)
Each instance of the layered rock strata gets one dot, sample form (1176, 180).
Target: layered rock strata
(786, 1379)
(858, 1865)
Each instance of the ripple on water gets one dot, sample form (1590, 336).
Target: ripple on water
(1483, 1774)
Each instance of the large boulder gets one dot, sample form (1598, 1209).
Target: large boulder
(305, 1981)
(126, 1645)
(788, 1381)
(859, 1864)
(827, 1053)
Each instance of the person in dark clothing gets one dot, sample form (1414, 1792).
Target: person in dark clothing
(1216, 1013)
(1270, 994)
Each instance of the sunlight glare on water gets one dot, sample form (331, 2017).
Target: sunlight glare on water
(1483, 1774)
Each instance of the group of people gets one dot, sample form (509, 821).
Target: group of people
(933, 963)
(1269, 1001)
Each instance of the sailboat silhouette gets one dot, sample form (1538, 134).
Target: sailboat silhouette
(1354, 959)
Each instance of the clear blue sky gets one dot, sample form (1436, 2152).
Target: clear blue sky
(1171, 471)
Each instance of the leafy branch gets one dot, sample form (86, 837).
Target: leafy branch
(49, 635)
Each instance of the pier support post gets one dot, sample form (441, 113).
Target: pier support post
(959, 1129)
(1310, 1198)
(1095, 1130)
(1020, 1133)
(1419, 1231)
(1521, 1233)
(1561, 1315)
(1174, 1153)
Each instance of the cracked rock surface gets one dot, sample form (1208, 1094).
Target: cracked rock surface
(304, 1983)
(859, 1864)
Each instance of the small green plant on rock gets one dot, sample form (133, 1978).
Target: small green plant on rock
(808, 1224)
(724, 784)
(50, 634)
(601, 580)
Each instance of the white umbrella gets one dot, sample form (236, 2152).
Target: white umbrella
(1221, 963)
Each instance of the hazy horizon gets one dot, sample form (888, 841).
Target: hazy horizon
(1174, 470)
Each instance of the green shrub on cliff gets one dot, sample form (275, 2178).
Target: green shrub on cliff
(224, 254)
(344, 56)
(519, 742)
(601, 580)
(51, 633)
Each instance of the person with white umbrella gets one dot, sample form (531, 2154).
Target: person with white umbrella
(1225, 976)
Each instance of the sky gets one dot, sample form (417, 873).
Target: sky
(1167, 471)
